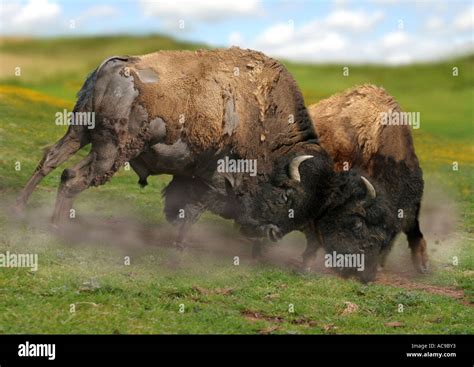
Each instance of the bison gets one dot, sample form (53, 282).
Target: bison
(180, 113)
(373, 193)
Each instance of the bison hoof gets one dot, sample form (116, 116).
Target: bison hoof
(367, 277)
(422, 268)
(18, 211)
(420, 262)
(56, 224)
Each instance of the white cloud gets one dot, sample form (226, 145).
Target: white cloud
(92, 15)
(435, 23)
(402, 48)
(344, 38)
(385, 2)
(100, 11)
(395, 39)
(465, 20)
(327, 44)
(235, 39)
(299, 43)
(276, 35)
(20, 17)
(202, 10)
(356, 20)
(323, 39)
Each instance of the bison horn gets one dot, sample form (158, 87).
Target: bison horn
(370, 189)
(294, 166)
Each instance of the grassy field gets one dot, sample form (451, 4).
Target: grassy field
(84, 286)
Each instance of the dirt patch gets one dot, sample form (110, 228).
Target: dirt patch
(227, 291)
(257, 316)
(401, 282)
(254, 316)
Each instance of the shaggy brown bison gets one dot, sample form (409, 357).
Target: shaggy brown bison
(373, 193)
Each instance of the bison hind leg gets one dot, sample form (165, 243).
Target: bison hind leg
(95, 169)
(417, 243)
(75, 138)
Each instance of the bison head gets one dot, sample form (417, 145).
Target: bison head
(356, 224)
(349, 214)
(286, 200)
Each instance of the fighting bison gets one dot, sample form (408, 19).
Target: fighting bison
(180, 113)
(373, 193)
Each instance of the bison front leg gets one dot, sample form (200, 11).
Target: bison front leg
(313, 243)
(93, 170)
(183, 205)
(189, 215)
(258, 247)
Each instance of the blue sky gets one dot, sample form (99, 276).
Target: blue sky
(376, 31)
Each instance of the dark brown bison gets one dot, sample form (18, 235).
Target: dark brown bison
(180, 113)
(373, 193)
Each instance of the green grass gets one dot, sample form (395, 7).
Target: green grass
(218, 297)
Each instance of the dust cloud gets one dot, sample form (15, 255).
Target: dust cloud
(439, 222)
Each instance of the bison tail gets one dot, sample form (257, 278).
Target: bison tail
(85, 95)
